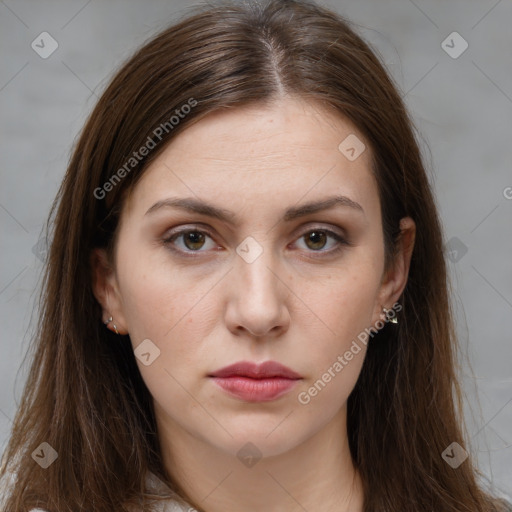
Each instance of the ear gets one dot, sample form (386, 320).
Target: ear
(106, 290)
(395, 278)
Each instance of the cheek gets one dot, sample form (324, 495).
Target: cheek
(173, 309)
(344, 300)
(328, 390)
(334, 361)
(337, 345)
(158, 295)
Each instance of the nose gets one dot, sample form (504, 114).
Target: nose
(257, 304)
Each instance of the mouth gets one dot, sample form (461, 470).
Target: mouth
(251, 382)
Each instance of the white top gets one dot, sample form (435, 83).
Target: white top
(156, 486)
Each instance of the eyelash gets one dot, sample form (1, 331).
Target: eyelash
(341, 242)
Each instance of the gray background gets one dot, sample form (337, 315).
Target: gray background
(462, 107)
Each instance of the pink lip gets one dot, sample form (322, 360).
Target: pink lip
(256, 383)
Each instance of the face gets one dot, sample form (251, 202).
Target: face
(243, 271)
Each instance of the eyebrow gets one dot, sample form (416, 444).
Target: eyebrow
(193, 205)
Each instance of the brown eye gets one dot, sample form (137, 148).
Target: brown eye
(190, 240)
(323, 241)
(316, 239)
(193, 239)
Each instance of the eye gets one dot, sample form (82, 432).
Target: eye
(317, 240)
(195, 240)
(192, 240)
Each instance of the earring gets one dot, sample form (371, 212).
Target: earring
(110, 319)
(393, 319)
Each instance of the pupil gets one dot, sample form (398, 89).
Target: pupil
(318, 238)
(194, 238)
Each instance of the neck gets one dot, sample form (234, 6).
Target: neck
(319, 472)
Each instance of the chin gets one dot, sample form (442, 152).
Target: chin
(267, 436)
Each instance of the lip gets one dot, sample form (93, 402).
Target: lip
(268, 369)
(253, 382)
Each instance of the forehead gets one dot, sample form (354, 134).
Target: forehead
(285, 151)
(275, 132)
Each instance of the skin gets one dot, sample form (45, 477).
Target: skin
(298, 303)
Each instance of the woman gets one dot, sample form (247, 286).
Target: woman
(245, 305)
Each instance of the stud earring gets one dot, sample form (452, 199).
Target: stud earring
(110, 319)
(393, 319)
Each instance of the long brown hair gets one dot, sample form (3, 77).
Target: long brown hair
(85, 396)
